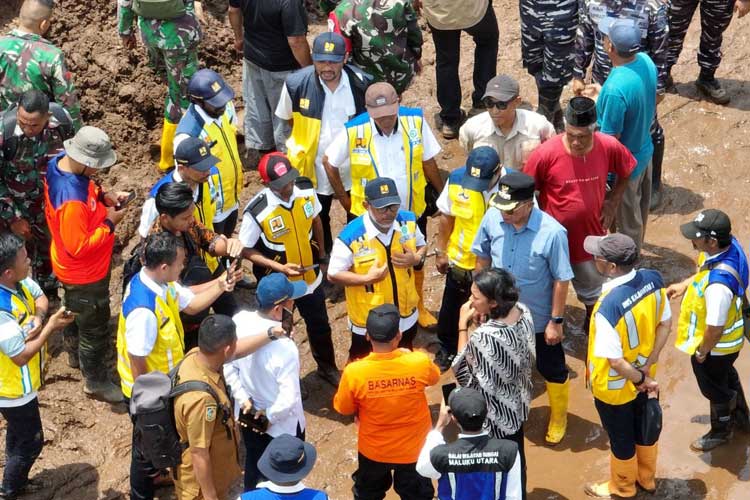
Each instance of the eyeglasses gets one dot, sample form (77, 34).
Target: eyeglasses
(499, 105)
(389, 208)
(514, 209)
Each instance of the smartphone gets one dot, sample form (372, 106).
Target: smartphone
(124, 203)
(287, 321)
(259, 424)
(229, 262)
(67, 313)
(447, 389)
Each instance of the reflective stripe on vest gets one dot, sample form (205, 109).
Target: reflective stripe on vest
(15, 381)
(365, 162)
(230, 165)
(467, 208)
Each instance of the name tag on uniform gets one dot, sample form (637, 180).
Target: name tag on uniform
(308, 209)
(405, 235)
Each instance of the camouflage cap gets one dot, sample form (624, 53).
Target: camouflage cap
(381, 100)
(91, 147)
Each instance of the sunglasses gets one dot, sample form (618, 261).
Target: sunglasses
(499, 105)
(514, 209)
(386, 209)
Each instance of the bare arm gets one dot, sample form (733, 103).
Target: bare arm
(300, 49)
(711, 336)
(630, 372)
(137, 365)
(56, 322)
(662, 334)
(610, 205)
(553, 332)
(203, 472)
(235, 21)
(482, 263)
(348, 278)
(337, 184)
(433, 174)
(206, 297)
(318, 236)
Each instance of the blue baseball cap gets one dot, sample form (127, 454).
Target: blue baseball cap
(481, 165)
(381, 192)
(194, 153)
(275, 288)
(623, 33)
(330, 47)
(208, 85)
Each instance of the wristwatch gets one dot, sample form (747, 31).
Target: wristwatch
(642, 380)
(271, 335)
(558, 320)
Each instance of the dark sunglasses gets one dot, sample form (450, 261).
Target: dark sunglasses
(500, 105)
(514, 209)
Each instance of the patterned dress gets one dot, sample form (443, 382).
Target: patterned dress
(497, 362)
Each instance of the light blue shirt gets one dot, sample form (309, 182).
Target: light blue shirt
(536, 255)
(627, 105)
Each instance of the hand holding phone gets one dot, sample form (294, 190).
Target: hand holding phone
(124, 203)
(287, 321)
(447, 389)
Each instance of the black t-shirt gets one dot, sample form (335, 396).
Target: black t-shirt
(267, 24)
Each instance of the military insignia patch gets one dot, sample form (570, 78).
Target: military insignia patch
(210, 413)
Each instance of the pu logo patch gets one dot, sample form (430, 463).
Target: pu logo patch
(329, 46)
(216, 86)
(475, 172)
(384, 189)
(203, 151)
(304, 103)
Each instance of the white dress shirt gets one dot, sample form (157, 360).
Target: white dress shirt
(607, 343)
(338, 108)
(480, 130)
(390, 154)
(250, 232)
(141, 328)
(270, 376)
(342, 259)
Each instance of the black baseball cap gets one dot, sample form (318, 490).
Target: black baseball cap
(381, 192)
(329, 47)
(617, 248)
(194, 153)
(208, 85)
(481, 166)
(276, 171)
(383, 323)
(710, 222)
(581, 112)
(468, 406)
(515, 187)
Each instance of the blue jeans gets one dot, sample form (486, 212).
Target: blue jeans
(23, 444)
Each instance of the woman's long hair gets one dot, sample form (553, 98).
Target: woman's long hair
(500, 286)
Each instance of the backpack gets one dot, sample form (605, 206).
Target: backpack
(60, 117)
(152, 410)
(159, 9)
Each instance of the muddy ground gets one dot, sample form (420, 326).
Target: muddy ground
(87, 444)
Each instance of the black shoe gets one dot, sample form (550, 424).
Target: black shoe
(713, 90)
(444, 360)
(655, 200)
(330, 374)
(669, 85)
(303, 392)
(449, 131)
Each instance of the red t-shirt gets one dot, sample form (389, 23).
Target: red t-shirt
(571, 189)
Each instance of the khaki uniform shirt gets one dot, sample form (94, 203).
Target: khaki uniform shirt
(454, 14)
(199, 423)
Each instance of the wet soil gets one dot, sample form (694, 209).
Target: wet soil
(87, 443)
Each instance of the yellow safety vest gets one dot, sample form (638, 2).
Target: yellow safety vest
(467, 209)
(692, 322)
(398, 285)
(169, 347)
(230, 165)
(365, 163)
(286, 233)
(635, 309)
(18, 381)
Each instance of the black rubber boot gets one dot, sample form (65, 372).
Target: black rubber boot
(656, 162)
(710, 87)
(721, 427)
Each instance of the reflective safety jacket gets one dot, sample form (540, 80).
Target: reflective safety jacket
(286, 232)
(18, 381)
(398, 285)
(205, 207)
(169, 347)
(365, 162)
(308, 99)
(692, 322)
(224, 146)
(82, 237)
(634, 309)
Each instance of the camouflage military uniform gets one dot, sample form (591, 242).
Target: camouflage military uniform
(652, 18)
(28, 61)
(386, 39)
(22, 192)
(173, 42)
(715, 18)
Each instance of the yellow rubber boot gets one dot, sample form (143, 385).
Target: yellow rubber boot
(166, 161)
(622, 479)
(646, 456)
(426, 319)
(558, 412)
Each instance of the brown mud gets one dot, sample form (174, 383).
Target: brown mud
(87, 445)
